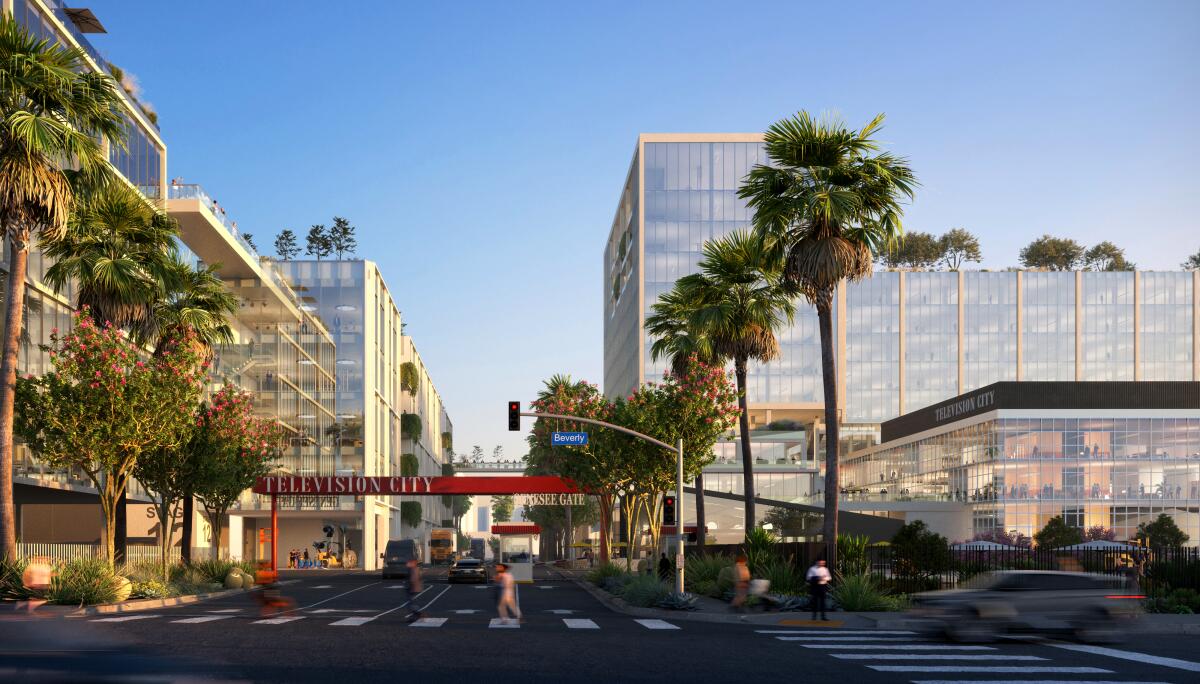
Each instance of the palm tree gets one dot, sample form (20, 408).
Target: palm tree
(120, 252)
(677, 340)
(827, 204)
(200, 303)
(53, 115)
(740, 300)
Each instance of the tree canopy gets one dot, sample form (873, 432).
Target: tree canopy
(286, 245)
(914, 250)
(1162, 532)
(317, 242)
(959, 246)
(1052, 253)
(1107, 257)
(1057, 534)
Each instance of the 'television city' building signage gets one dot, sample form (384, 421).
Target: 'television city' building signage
(360, 485)
(964, 407)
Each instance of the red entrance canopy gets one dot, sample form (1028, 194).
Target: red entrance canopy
(516, 528)
(355, 485)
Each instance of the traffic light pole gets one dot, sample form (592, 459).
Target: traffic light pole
(678, 449)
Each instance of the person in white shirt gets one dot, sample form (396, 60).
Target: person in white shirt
(508, 594)
(818, 585)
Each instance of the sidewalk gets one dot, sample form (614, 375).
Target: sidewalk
(712, 610)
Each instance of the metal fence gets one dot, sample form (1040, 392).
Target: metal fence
(134, 553)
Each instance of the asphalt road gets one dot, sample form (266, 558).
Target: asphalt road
(352, 627)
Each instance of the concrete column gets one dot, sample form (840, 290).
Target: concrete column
(900, 319)
(1137, 325)
(368, 556)
(1196, 325)
(962, 294)
(1078, 326)
(237, 525)
(1020, 325)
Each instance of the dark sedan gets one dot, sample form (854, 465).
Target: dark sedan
(468, 570)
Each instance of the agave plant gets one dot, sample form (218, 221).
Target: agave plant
(679, 601)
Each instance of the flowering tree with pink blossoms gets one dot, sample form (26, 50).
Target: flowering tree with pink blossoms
(104, 404)
(231, 449)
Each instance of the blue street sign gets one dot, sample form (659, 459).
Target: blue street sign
(568, 439)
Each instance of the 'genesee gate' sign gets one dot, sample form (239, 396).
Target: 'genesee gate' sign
(357, 485)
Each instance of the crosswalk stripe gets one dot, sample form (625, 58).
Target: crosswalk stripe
(656, 624)
(198, 620)
(580, 623)
(278, 620)
(227, 610)
(124, 618)
(846, 638)
(929, 656)
(832, 632)
(900, 647)
(352, 621)
(1129, 655)
(498, 623)
(1021, 669)
(429, 622)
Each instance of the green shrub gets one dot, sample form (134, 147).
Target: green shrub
(1185, 601)
(704, 569)
(679, 601)
(645, 591)
(704, 588)
(150, 589)
(214, 571)
(784, 577)
(760, 549)
(1166, 575)
(861, 593)
(83, 581)
(12, 583)
(598, 574)
(143, 571)
(852, 553)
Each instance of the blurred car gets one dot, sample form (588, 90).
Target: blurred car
(468, 570)
(1094, 608)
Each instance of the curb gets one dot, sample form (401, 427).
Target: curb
(143, 604)
(617, 604)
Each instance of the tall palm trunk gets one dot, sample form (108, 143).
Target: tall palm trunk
(701, 524)
(829, 375)
(739, 369)
(13, 314)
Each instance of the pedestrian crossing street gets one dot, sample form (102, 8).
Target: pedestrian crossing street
(908, 654)
(361, 620)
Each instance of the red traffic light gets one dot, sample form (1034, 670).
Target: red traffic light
(514, 416)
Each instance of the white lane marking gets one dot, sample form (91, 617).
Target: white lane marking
(278, 620)
(845, 638)
(324, 586)
(351, 622)
(397, 586)
(656, 624)
(466, 611)
(311, 605)
(483, 586)
(562, 611)
(1018, 669)
(342, 610)
(830, 632)
(1129, 655)
(899, 647)
(413, 601)
(124, 618)
(545, 587)
(206, 618)
(580, 623)
(429, 622)
(498, 623)
(930, 656)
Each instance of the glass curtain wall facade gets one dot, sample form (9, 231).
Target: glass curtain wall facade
(1017, 471)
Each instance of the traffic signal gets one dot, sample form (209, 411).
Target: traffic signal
(669, 509)
(514, 416)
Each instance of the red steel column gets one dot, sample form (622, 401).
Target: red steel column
(274, 535)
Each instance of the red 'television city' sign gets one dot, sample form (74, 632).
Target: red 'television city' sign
(357, 485)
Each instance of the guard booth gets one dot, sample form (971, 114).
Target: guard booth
(516, 548)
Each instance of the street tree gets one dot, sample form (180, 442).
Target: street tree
(740, 301)
(1192, 263)
(1056, 534)
(102, 406)
(1107, 257)
(1162, 532)
(233, 448)
(317, 242)
(1099, 533)
(789, 522)
(341, 237)
(825, 205)
(249, 238)
(959, 246)
(915, 250)
(286, 245)
(54, 115)
(502, 508)
(1052, 253)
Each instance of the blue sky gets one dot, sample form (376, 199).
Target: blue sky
(479, 147)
